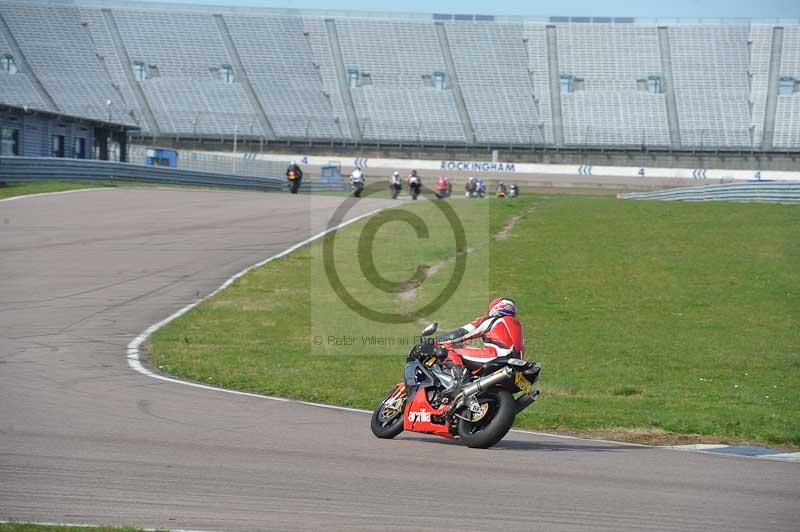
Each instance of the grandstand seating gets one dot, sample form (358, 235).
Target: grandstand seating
(187, 95)
(70, 71)
(291, 75)
(397, 105)
(710, 68)
(280, 64)
(787, 114)
(17, 89)
(493, 73)
(610, 108)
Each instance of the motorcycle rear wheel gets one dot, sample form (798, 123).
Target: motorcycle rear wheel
(495, 423)
(385, 424)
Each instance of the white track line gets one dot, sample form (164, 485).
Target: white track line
(40, 194)
(134, 359)
(697, 447)
(785, 457)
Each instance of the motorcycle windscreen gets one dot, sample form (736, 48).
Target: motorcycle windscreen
(417, 374)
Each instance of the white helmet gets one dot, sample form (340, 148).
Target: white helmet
(396, 174)
(293, 163)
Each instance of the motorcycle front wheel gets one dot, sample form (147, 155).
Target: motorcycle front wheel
(387, 419)
(488, 427)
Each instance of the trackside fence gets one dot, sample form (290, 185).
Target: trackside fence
(29, 169)
(760, 191)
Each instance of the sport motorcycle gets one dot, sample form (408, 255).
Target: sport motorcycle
(474, 403)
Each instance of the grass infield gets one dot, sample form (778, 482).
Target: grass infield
(655, 322)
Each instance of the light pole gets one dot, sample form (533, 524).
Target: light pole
(235, 139)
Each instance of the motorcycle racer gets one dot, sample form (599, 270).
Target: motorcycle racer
(500, 330)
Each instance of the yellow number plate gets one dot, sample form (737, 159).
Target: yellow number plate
(522, 383)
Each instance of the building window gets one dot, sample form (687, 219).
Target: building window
(8, 64)
(439, 81)
(139, 71)
(226, 71)
(654, 85)
(566, 84)
(786, 86)
(57, 146)
(354, 78)
(79, 148)
(9, 141)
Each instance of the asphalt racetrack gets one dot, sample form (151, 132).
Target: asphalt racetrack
(85, 439)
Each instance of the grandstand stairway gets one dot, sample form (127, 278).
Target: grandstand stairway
(669, 91)
(122, 53)
(772, 93)
(341, 76)
(463, 114)
(555, 86)
(241, 75)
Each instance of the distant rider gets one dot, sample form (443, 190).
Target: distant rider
(500, 330)
(414, 184)
(501, 190)
(395, 184)
(294, 174)
(357, 181)
(442, 187)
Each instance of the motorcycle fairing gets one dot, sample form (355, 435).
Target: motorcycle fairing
(418, 415)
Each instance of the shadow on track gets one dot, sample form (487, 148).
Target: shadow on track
(522, 445)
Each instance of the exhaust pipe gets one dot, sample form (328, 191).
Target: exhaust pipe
(526, 400)
(484, 383)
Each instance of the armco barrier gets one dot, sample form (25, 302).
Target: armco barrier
(762, 191)
(49, 168)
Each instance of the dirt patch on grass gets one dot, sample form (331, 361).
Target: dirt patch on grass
(507, 227)
(652, 436)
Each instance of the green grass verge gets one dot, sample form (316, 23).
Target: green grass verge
(647, 316)
(27, 527)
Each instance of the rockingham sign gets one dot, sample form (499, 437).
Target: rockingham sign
(477, 166)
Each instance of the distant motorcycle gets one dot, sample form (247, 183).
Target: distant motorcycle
(435, 398)
(501, 191)
(395, 185)
(294, 180)
(471, 188)
(357, 182)
(443, 191)
(414, 186)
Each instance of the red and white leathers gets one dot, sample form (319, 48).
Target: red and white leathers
(502, 336)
